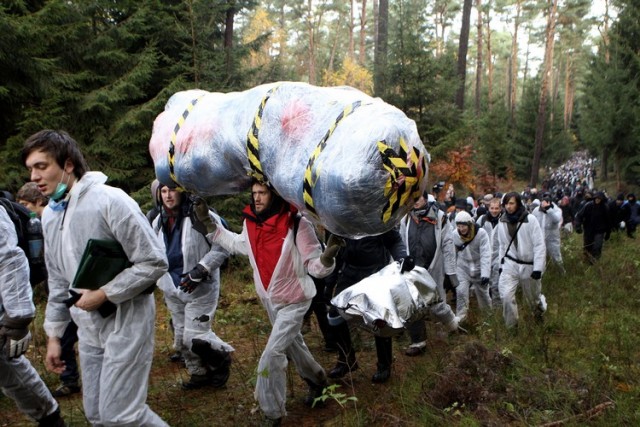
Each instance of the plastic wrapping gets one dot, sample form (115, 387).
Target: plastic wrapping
(386, 302)
(346, 160)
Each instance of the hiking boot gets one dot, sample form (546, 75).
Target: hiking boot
(271, 422)
(415, 351)
(220, 376)
(218, 362)
(382, 376)
(315, 391)
(54, 419)
(341, 369)
(197, 381)
(176, 357)
(330, 347)
(66, 390)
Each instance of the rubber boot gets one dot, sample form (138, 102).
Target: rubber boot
(384, 351)
(346, 355)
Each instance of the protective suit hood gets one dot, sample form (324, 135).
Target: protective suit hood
(87, 181)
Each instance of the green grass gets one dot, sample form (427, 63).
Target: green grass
(580, 367)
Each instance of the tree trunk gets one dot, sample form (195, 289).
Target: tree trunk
(334, 47)
(544, 87)
(525, 71)
(489, 61)
(194, 54)
(479, 58)
(282, 23)
(312, 45)
(569, 91)
(513, 70)
(604, 164)
(228, 37)
(375, 23)
(462, 53)
(351, 26)
(380, 58)
(363, 34)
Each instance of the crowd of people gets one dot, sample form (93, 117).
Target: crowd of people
(487, 248)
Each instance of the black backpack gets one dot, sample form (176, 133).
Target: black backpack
(20, 217)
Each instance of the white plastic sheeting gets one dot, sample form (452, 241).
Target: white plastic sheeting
(346, 160)
(388, 301)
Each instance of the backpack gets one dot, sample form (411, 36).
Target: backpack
(20, 217)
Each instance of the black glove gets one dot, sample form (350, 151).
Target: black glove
(407, 264)
(484, 281)
(200, 217)
(536, 275)
(15, 337)
(192, 279)
(579, 228)
(453, 279)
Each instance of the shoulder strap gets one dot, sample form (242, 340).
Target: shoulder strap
(296, 225)
(512, 239)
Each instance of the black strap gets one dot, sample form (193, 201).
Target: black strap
(296, 225)
(518, 261)
(512, 239)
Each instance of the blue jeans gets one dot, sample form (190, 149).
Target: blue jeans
(68, 356)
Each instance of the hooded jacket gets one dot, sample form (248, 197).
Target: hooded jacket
(299, 256)
(527, 253)
(97, 211)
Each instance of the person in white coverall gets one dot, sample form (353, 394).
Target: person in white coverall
(18, 379)
(488, 222)
(518, 244)
(473, 264)
(115, 351)
(549, 216)
(427, 237)
(191, 290)
(282, 259)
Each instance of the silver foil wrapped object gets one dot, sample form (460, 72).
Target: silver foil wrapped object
(335, 153)
(386, 302)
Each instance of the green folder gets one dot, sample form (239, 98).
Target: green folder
(101, 261)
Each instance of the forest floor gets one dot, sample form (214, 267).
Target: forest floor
(578, 368)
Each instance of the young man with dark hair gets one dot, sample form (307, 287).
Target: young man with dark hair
(32, 198)
(116, 350)
(282, 257)
(518, 247)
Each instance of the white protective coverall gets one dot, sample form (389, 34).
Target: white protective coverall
(192, 314)
(473, 262)
(443, 263)
(550, 223)
(115, 352)
(484, 223)
(286, 299)
(18, 379)
(526, 255)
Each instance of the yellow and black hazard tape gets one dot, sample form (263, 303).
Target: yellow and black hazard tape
(310, 175)
(253, 145)
(404, 178)
(174, 138)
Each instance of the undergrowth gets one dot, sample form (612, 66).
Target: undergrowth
(580, 367)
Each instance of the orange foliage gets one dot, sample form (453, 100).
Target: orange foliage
(457, 169)
(461, 170)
